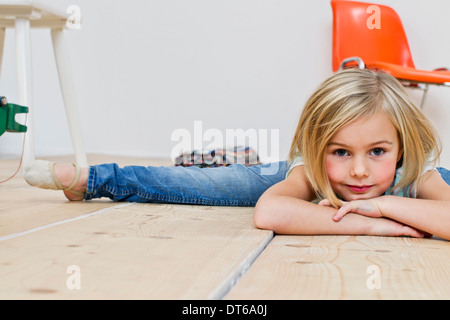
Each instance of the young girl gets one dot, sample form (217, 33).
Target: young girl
(362, 162)
(368, 154)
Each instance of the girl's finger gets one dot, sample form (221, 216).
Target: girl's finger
(324, 202)
(413, 232)
(346, 208)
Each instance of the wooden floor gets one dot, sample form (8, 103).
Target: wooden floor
(51, 248)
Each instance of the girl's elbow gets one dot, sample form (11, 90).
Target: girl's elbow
(266, 215)
(263, 217)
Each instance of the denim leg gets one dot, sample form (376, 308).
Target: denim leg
(235, 185)
(445, 174)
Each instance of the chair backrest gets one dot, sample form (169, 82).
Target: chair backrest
(370, 31)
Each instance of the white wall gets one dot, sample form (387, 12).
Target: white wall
(145, 68)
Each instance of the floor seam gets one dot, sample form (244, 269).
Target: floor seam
(232, 280)
(57, 223)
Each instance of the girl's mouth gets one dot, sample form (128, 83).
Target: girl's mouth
(359, 189)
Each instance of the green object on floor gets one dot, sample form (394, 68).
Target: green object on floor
(8, 113)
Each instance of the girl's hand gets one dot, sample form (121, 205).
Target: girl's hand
(391, 228)
(368, 208)
(380, 226)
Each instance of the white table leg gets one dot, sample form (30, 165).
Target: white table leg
(24, 81)
(2, 45)
(69, 95)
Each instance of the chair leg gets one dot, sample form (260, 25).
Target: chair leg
(2, 45)
(24, 82)
(69, 96)
(425, 91)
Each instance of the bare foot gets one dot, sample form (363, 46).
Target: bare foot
(66, 175)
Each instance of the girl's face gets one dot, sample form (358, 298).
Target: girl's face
(361, 158)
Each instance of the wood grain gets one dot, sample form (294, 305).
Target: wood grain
(141, 251)
(23, 207)
(342, 267)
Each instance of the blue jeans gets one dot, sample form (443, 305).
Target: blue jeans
(235, 185)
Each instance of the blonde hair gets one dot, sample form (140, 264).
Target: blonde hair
(343, 98)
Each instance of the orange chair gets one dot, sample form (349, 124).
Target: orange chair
(372, 36)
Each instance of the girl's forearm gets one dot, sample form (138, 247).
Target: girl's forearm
(432, 216)
(287, 215)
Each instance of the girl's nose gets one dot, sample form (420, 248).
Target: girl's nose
(359, 168)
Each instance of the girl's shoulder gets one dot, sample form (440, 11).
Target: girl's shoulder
(297, 161)
(434, 185)
(409, 191)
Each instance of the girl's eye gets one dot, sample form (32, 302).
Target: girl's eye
(341, 153)
(377, 152)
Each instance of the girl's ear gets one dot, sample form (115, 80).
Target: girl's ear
(400, 158)
(400, 154)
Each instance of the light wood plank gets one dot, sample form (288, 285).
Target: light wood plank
(142, 251)
(23, 207)
(345, 267)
